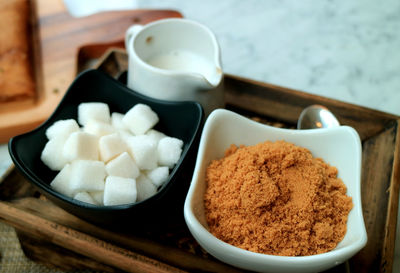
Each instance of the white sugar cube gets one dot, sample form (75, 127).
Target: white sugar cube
(156, 135)
(140, 118)
(119, 191)
(84, 197)
(97, 197)
(116, 121)
(52, 154)
(62, 128)
(158, 176)
(61, 183)
(93, 111)
(125, 135)
(145, 189)
(169, 151)
(123, 166)
(111, 146)
(87, 175)
(144, 151)
(81, 145)
(98, 128)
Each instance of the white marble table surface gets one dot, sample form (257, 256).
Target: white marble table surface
(346, 50)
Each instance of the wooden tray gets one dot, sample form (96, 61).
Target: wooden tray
(56, 39)
(51, 236)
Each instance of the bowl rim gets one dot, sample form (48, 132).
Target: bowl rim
(41, 184)
(202, 234)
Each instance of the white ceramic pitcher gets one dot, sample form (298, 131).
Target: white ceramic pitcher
(175, 59)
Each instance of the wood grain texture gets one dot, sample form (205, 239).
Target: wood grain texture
(377, 186)
(16, 117)
(285, 105)
(16, 72)
(136, 241)
(16, 187)
(392, 210)
(57, 257)
(81, 243)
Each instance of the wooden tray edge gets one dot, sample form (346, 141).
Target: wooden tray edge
(394, 189)
(391, 220)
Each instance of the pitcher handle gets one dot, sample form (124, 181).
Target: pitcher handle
(131, 32)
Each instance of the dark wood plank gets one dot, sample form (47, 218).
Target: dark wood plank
(378, 158)
(16, 187)
(114, 62)
(285, 105)
(81, 243)
(392, 211)
(190, 256)
(56, 257)
(89, 55)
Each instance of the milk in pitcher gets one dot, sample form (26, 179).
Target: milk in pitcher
(175, 59)
(186, 62)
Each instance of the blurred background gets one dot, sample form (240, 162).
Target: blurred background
(346, 50)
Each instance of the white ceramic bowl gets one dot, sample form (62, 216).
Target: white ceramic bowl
(339, 147)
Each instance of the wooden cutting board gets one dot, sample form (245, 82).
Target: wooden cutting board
(56, 40)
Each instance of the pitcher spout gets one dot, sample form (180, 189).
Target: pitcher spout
(209, 81)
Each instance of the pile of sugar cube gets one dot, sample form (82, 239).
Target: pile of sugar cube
(112, 159)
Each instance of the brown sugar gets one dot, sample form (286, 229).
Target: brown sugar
(276, 198)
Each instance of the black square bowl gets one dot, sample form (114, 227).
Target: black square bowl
(182, 120)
